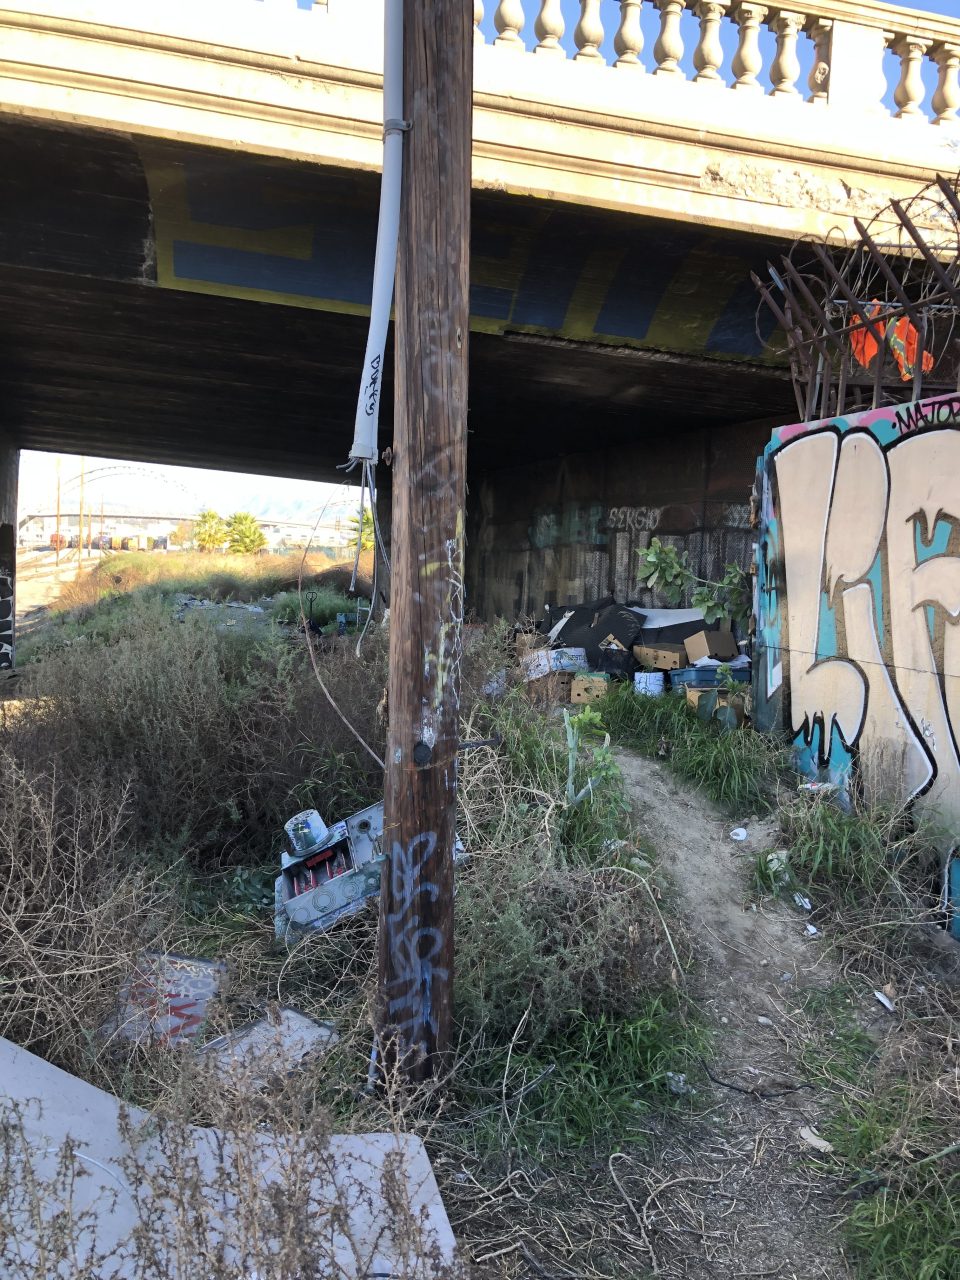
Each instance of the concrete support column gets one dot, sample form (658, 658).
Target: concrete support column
(9, 467)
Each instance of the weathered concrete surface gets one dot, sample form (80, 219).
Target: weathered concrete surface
(305, 85)
(568, 529)
(347, 1193)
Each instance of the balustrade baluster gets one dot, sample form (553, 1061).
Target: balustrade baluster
(708, 55)
(946, 100)
(747, 61)
(509, 18)
(910, 92)
(550, 27)
(628, 41)
(820, 32)
(785, 68)
(477, 19)
(669, 47)
(588, 36)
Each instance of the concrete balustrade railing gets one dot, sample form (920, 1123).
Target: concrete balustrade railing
(760, 117)
(846, 45)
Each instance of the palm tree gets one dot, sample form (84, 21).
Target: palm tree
(211, 531)
(362, 525)
(244, 535)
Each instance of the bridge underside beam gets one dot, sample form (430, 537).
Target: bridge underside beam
(126, 370)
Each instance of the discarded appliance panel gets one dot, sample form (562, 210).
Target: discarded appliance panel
(338, 874)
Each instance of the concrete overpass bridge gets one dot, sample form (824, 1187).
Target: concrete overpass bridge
(188, 201)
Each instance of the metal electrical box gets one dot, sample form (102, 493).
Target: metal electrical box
(327, 874)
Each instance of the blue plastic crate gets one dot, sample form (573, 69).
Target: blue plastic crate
(706, 677)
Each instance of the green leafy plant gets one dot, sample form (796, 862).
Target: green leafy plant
(738, 770)
(210, 531)
(667, 570)
(323, 609)
(361, 526)
(244, 535)
(587, 727)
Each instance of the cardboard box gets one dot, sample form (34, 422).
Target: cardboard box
(551, 689)
(588, 688)
(527, 641)
(611, 642)
(662, 657)
(733, 700)
(540, 662)
(719, 645)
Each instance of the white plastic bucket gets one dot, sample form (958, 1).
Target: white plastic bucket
(649, 683)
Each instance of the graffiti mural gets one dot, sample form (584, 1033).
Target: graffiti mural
(239, 226)
(858, 601)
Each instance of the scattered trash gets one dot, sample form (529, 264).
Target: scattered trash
(818, 788)
(368, 1216)
(813, 1139)
(677, 1083)
(740, 663)
(543, 662)
(718, 645)
(739, 834)
(885, 1001)
(550, 690)
(662, 656)
(717, 704)
(277, 1044)
(765, 1022)
(496, 686)
(166, 998)
(327, 874)
(525, 641)
(588, 688)
(778, 867)
(812, 931)
(306, 832)
(650, 684)
(597, 627)
(786, 977)
(803, 903)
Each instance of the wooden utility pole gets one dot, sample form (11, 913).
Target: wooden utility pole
(426, 600)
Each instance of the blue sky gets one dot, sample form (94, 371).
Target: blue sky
(609, 14)
(951, 8)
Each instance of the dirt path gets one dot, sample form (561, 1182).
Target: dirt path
(732, 1192)
(40, 579)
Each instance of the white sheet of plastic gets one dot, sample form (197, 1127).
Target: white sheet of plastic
(347, 1191)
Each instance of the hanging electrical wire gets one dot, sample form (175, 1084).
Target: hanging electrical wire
(363, 451)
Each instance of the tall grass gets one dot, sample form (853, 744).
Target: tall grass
(213, 577)
(149, 774)
(860, 854)
(738, 769)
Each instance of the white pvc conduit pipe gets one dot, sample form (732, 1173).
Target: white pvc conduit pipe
(364, 448)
